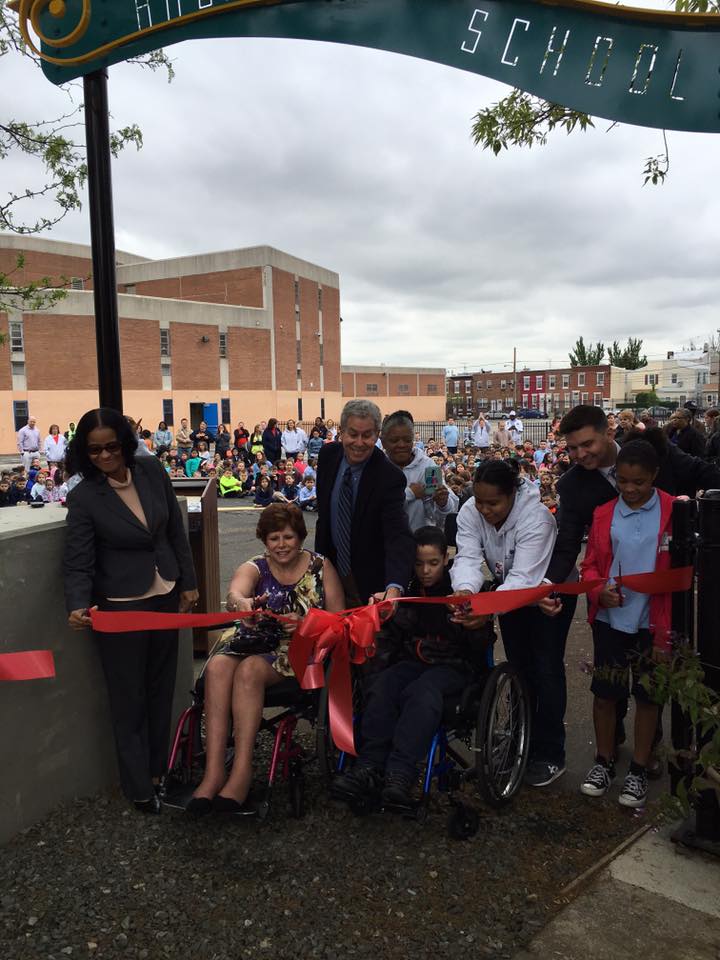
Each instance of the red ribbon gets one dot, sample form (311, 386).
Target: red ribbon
(349, 635)
(28, 665)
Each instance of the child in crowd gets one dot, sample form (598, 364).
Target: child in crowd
(631, 630)
(264, 493)
(229, 485)
(307, 498)
(432, 657)
(19, 493)
(310, 469)
(289, 488)
(5, 500)
(315, 443)
(300, 466)
(38, 488)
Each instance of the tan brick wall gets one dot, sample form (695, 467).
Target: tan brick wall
(348, 385)
(169, 288)
(140, 354)
(331, 338)
(60, 352)
(309, 330)
(5, 374)
(438, 381)
(40, 265)
(363, 379)
(249, 360)
(407, 379)
(195, 365)
(284, 310)
(242, 287)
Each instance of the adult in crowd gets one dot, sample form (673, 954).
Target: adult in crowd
(256, 440)
(515, 428)
(682, 434)
(70, 432)
(54, 448)
(712, 445)
(502, 435)
(480, 433)
(183, 439)
(626, 421)
(223, 440)
(647, 419)
(362, 525)
(202, 435)
(506, 526)
(286, 579)
(451, 435)
(319, 425)
(422, 507)
(589, 483)
(126, 549)
(28, 442)
(330, 430)
(294, 440)
(241, 435)
(162, 438)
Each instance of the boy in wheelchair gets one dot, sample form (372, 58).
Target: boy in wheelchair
(424, 657)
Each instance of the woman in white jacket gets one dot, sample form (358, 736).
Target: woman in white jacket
(398, 438)
(506, 528)
(54, 447)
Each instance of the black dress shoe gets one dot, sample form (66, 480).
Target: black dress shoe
(227, 805)
(152, 805)
(199, 807)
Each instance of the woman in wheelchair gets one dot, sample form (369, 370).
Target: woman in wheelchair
(426, 657)
(286, 579)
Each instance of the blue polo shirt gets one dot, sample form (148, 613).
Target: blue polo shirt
(450, 435)
(634, 535)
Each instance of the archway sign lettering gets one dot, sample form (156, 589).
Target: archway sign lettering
(643, 67)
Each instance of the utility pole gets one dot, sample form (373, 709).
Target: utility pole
(515, 379)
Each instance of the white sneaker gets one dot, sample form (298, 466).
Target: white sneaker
(598, 781)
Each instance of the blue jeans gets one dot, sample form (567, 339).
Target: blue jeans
(403, 711)
(535, 644)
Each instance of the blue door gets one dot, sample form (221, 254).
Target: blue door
(210, 416)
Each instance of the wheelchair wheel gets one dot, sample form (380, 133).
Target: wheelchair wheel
(502, 735)
(463, 822)
(297, 795)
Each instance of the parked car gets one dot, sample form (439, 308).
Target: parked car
(496, 415)
(531, 414)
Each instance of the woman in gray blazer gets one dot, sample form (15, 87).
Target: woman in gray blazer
(126, 549)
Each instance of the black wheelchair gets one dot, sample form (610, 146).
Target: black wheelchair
(484, 739)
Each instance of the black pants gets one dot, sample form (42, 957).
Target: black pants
(535, 644)
(403, 711)
(140, 675)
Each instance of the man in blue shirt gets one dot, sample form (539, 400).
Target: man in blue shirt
(451, 435)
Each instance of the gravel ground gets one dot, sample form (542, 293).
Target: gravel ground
(96, 879)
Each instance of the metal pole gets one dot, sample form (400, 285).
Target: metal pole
(102, 235)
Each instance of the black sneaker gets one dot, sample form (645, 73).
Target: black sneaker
(598, 780)
(634, 791)
(359, 782)
(397, 791)
(540, 773)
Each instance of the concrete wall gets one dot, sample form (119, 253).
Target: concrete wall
(56, 742)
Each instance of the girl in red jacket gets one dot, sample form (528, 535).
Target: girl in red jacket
(630, 630)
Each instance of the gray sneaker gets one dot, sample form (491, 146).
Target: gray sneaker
(540, 773)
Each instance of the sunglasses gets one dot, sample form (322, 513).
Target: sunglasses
(95, 449)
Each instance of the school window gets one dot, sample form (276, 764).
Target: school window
(20, 413)
(17, 342)
(584, 398)
(222, 341)
(17, 368)
(551, 381)
(488, 384)
(526, 383)
(77, 283)
(168, 415)
(538, 382)
(298, 352)
(322, 354)
(432, 388)
(581, 379)
(600, 379)
(456, 386)
(225, 410)
(468, 386)
(503, 384)
(403, 388)
(164, 343)
(597, 399)
(371, 388)
(297, 292)
(320, 299)
(566, 380)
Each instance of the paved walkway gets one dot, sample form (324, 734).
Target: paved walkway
(656, 899)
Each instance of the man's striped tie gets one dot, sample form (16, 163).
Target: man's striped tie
(344, 523)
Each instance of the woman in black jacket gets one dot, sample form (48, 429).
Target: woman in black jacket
(272, 441)
(126, 549)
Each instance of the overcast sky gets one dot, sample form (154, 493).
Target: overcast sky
(362, 161)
